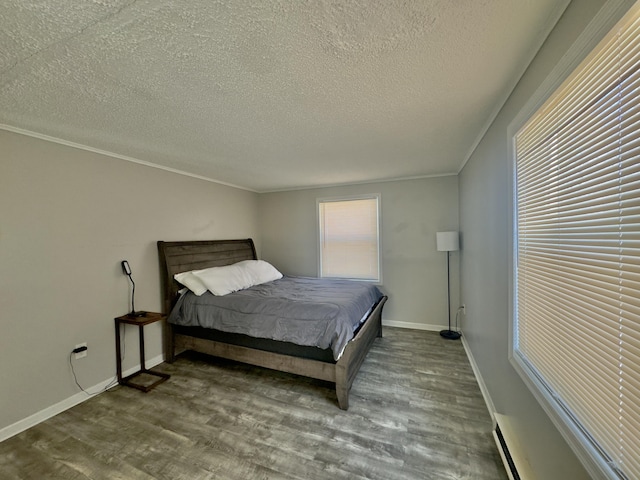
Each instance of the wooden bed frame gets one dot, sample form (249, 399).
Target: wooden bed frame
(176, 257)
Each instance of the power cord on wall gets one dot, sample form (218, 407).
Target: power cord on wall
(457, 314)
(110, 385)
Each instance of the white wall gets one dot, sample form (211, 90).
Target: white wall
(486, 240)
(414, 272)
(67, 219)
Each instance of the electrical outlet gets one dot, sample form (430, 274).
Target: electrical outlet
(464, 309)
(83, 353)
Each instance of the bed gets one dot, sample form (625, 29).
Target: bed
(314, 362)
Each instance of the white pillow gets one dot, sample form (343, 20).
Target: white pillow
(193, 283)
(261, 271)
(223, 280)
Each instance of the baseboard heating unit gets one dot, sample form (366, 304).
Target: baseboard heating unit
(515, 463)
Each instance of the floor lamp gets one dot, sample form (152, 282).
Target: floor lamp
(448, 242)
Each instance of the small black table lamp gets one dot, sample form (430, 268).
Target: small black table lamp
(448, 242)
(126, 269)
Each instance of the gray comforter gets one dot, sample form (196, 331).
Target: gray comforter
(305, 311)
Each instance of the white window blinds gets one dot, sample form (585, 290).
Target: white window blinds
(577, 264)
(349, 243)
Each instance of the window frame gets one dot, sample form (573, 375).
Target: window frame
(345, 198)
(588, 454)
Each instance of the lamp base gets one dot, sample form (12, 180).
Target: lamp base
(137, 314)
(450, 334)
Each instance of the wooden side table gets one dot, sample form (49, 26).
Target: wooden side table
(151, 317)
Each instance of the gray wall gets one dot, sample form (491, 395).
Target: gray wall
(67, 218)
(414, 272)
(486, 238)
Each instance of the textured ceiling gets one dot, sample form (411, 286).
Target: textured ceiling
(268, 95)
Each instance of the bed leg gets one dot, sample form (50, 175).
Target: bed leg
(170, 352)
(342, 385)
(343, 397)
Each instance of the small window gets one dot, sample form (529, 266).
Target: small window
(349, 238)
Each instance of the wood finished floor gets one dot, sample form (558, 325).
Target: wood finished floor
(416, 412)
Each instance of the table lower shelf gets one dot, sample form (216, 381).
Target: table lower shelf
(145, 388)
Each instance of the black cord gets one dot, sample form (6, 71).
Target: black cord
(112, 384)
(457, 313)
(123, 343)
(133, 294)
(75, 379)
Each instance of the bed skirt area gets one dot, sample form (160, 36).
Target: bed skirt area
(265, 344)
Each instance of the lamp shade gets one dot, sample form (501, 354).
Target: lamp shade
(447, 241)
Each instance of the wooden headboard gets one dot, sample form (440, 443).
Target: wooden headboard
(177, 257)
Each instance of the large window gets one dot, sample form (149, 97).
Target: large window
(349, 238)
(577, 254)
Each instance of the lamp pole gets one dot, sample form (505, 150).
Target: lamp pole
(449, 334)
(448, 242)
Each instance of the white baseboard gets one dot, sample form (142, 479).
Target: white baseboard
(483, 387)
(67, 403)
(42, 415)
(414, 326)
